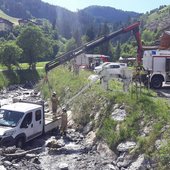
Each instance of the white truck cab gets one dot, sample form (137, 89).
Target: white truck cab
(21, 122)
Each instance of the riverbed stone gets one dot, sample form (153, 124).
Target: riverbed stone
(125, 147)
(105, 151)
(139, 164)
(63, 166)
(111, 167)
(2, 167)
(88, 128)
(7, 163)
(125, 160)
(118, 114)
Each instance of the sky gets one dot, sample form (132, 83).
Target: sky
(141, 6)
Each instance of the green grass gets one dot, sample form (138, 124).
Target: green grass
(143, 110)
(159, 15)
(20, 77)
(61, 80)
(7, 17)
(39, 65)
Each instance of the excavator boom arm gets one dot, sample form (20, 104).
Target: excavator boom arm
(90, 45)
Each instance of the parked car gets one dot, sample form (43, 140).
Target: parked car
(115, 68)
(112, 68)
(100, 67)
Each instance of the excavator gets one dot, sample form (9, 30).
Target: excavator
(91, 45)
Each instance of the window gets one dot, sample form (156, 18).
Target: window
(10, 118)
(114, 66)
(38, 115)
(27, 120)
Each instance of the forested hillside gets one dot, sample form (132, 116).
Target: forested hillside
(66, 21)
(65, 30)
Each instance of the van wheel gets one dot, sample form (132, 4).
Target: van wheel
(156, 83)
(20, 143)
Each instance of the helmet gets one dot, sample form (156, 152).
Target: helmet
(64, 109)
(54, 93)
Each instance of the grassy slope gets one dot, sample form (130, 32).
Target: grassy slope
(158, 15)
(146, 111)
(11, 19)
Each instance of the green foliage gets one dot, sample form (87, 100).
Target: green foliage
(148, 37)
(10, 54)
(117, 52)
(19, 77)
(71, 44)
(60, 80)
(33, 43)
(107, 132)
(3, 81)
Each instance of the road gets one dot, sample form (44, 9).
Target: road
(164, 91)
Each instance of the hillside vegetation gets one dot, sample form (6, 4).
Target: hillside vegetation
(9, 18)
(157, 19)
(147, 117)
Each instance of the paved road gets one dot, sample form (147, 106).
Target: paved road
(164, 91)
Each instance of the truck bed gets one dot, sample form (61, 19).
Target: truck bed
(51, 123)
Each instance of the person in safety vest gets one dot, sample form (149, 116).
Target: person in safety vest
(63, 128)
(54, 103)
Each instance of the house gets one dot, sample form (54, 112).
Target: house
(165, 40)
(25, 22)
(5, 25)
(87, 60)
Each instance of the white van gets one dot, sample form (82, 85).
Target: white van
(21, 122)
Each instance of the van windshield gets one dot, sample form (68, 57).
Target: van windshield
(10, 118)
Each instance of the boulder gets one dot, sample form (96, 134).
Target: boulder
(139, 164)
(54, 143)
(124, 160)
(125, 147)
(63, 166)
(160, 142)
(119, 114)
(88, 128)
(2, 167)
(105, 151)
(90, 138)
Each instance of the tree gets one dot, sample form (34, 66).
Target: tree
(106, 47)
(148, 36)
(34, 44)
(117, 52)
(10, 54)
(71, 44)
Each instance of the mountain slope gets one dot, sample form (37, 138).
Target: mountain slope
(158, 19)
(109, 14)
(7, 17)
(66, 21)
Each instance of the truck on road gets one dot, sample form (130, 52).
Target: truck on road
(22, 121)
(157, 64)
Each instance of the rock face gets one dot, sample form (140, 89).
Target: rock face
(125, 147)
(139, 164)
(105, 151)
(119, 114)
